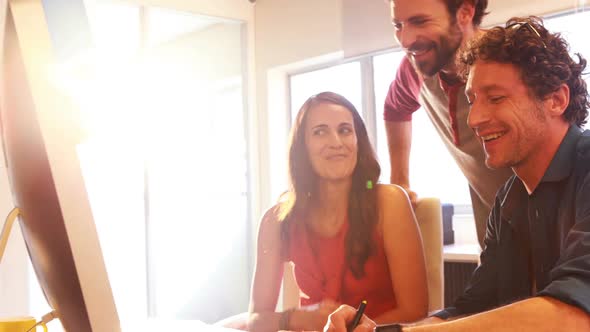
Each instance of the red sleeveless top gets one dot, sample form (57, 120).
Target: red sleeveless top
(321, 271)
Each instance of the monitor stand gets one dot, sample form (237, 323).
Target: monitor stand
(10, 219)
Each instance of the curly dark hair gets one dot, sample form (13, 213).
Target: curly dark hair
(480, 9)
(542, 57)
(362, 202)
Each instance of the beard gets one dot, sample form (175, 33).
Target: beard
(531, 138)
(444, 51)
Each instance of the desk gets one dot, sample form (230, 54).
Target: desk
(156, 325)
(159, 325)
(461, 253)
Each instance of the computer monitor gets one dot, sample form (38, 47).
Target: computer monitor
(40, 134)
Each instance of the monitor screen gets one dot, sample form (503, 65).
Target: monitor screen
(40, 134)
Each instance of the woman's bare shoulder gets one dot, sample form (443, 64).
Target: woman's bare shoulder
(391, 192)
(272, 214)
(270, 223)
(394, 205)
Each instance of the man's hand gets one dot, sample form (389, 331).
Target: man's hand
(411, 195)
(338, 320)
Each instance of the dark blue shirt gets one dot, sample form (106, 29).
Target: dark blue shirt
(537, 244)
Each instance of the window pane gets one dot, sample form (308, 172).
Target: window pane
(197, 174)
(343, 79)
(167, 170)
(442, 178)
(199, 212)
(115, 29)
(384, 68)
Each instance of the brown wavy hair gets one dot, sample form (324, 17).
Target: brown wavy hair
(544, 61)
(362, 201)
(480, 9)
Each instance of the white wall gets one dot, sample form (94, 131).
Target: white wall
(502, 10)
(367, 24)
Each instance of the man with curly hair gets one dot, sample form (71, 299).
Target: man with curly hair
(431, 33)
(527, 103)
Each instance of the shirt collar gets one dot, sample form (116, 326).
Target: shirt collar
(562, 163)
(560, 167)
(515, 194)
(446, 86)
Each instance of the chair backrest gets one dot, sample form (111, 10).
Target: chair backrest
(429, 216)
(290, 291)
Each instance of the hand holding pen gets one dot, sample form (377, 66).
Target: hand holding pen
(343, 318)
(357, 317)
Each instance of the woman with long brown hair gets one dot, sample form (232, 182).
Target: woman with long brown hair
(349, 238)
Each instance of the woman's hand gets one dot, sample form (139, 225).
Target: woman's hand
(326, 308)
(314, 317)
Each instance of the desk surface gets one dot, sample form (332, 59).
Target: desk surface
(465, 253)
(156, 325)
(159, 325)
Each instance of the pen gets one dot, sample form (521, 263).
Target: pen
(358, 316)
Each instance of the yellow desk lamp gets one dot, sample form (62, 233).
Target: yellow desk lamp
(25, 323)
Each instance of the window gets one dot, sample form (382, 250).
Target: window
(443, 179)
(196, 243)
(570, 27)
(167, 156)
(344, 79)
(196, 167)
